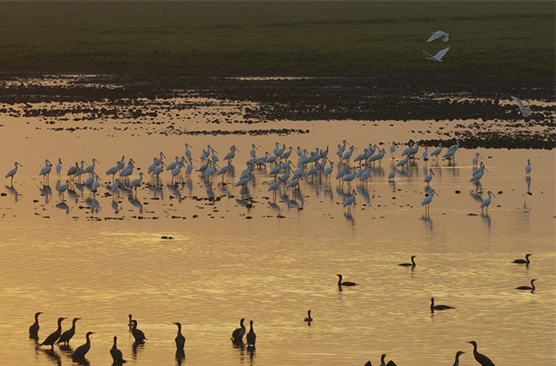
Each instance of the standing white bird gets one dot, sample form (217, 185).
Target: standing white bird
(91, 168)
(438, 56)
(475, 160)
(528, 168)
(393, 149)
(12, 172)
(45, 171)
(428, 177)
(61, 188)
(59, 169)
(437, 151)
(136, 182)
(427, 201)
(525, 110)
(487, 202)
(439, 34)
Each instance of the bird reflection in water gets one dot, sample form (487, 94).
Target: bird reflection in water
(115, 206)
(349, 217)
(135, 348)
(66, 349)
(528, 182)
(180, 356)
(46, 191)
(93, 204)
(13, 191)
(486, 219)
(135, 203)
(427, 221)
(53, 356)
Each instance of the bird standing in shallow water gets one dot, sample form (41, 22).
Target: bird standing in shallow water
(238, 333)
(251, 337)
(308, 318)
(180, 339)
(12, 172)
(528, 168)
(479, 357)
(81, 351)
(34, 328)
(487, 202)
(137, 334)
(68, 334)
(53, 337)
(116, 354)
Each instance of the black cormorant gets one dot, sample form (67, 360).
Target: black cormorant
(53, 337)
(116, 353)
(532, 287)
(180, 339)
(137, 334)
(251, 337)
(308, 318)
(458, 353)
(68, 334)
(34, 328)
(482, 359)
(238, 333)
(526, 260)
(345, 283)
(412, 264)
(81, 351)
(439, 307)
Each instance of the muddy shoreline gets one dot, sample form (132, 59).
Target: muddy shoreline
(497, 122)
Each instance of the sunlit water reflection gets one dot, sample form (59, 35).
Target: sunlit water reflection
(270, 259)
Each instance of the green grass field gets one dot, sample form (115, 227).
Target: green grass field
(491, 40)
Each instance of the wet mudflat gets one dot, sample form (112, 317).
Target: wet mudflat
(206, 253)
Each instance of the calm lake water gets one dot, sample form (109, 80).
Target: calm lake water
(272, 262)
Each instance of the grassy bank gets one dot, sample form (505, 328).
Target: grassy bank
(491, 40)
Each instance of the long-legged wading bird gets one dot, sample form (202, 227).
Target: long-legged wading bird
(137, 334)
(238, 333)
(68, 334)
(34, 328)
(486, 202)
(53, 337)
(439, 307)
(458, 353)
(81, 351)
(479, 357)
(180, 339)
(251, 337)
(116, 354)
(12, 172)
(412, 264)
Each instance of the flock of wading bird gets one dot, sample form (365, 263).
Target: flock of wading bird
(78, 355)
(309, 165)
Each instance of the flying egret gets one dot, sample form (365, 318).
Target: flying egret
(528, 168)
(428, 178)
(526, 111)
(438, 56)
(12, 172)
(487, 201)
(439, 34)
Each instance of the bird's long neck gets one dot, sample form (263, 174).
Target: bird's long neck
(115, 343)
(533, 285)
(88, 338)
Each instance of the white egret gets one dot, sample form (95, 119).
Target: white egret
(348, 154)
(438, 56)
(486, 202)
(59, 169)
(328, 171)
(173, 164)
(528, 168)
(112, 171)
(231, 155)
(426, 154)
(136, 182)
(286, 154)
(393, 149)
(475, 160)
(437, 151)
(278, 151)
(79, 171)
(61, 188)
(72, 170)
(402, 162)
(428, 199)
(526, 111)
(45, 171)
(428, 177)
(439, 34)
(12, 172)
(274, 186)
(253, 152)
(91, 168)
(187, 151)
(478, 174)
